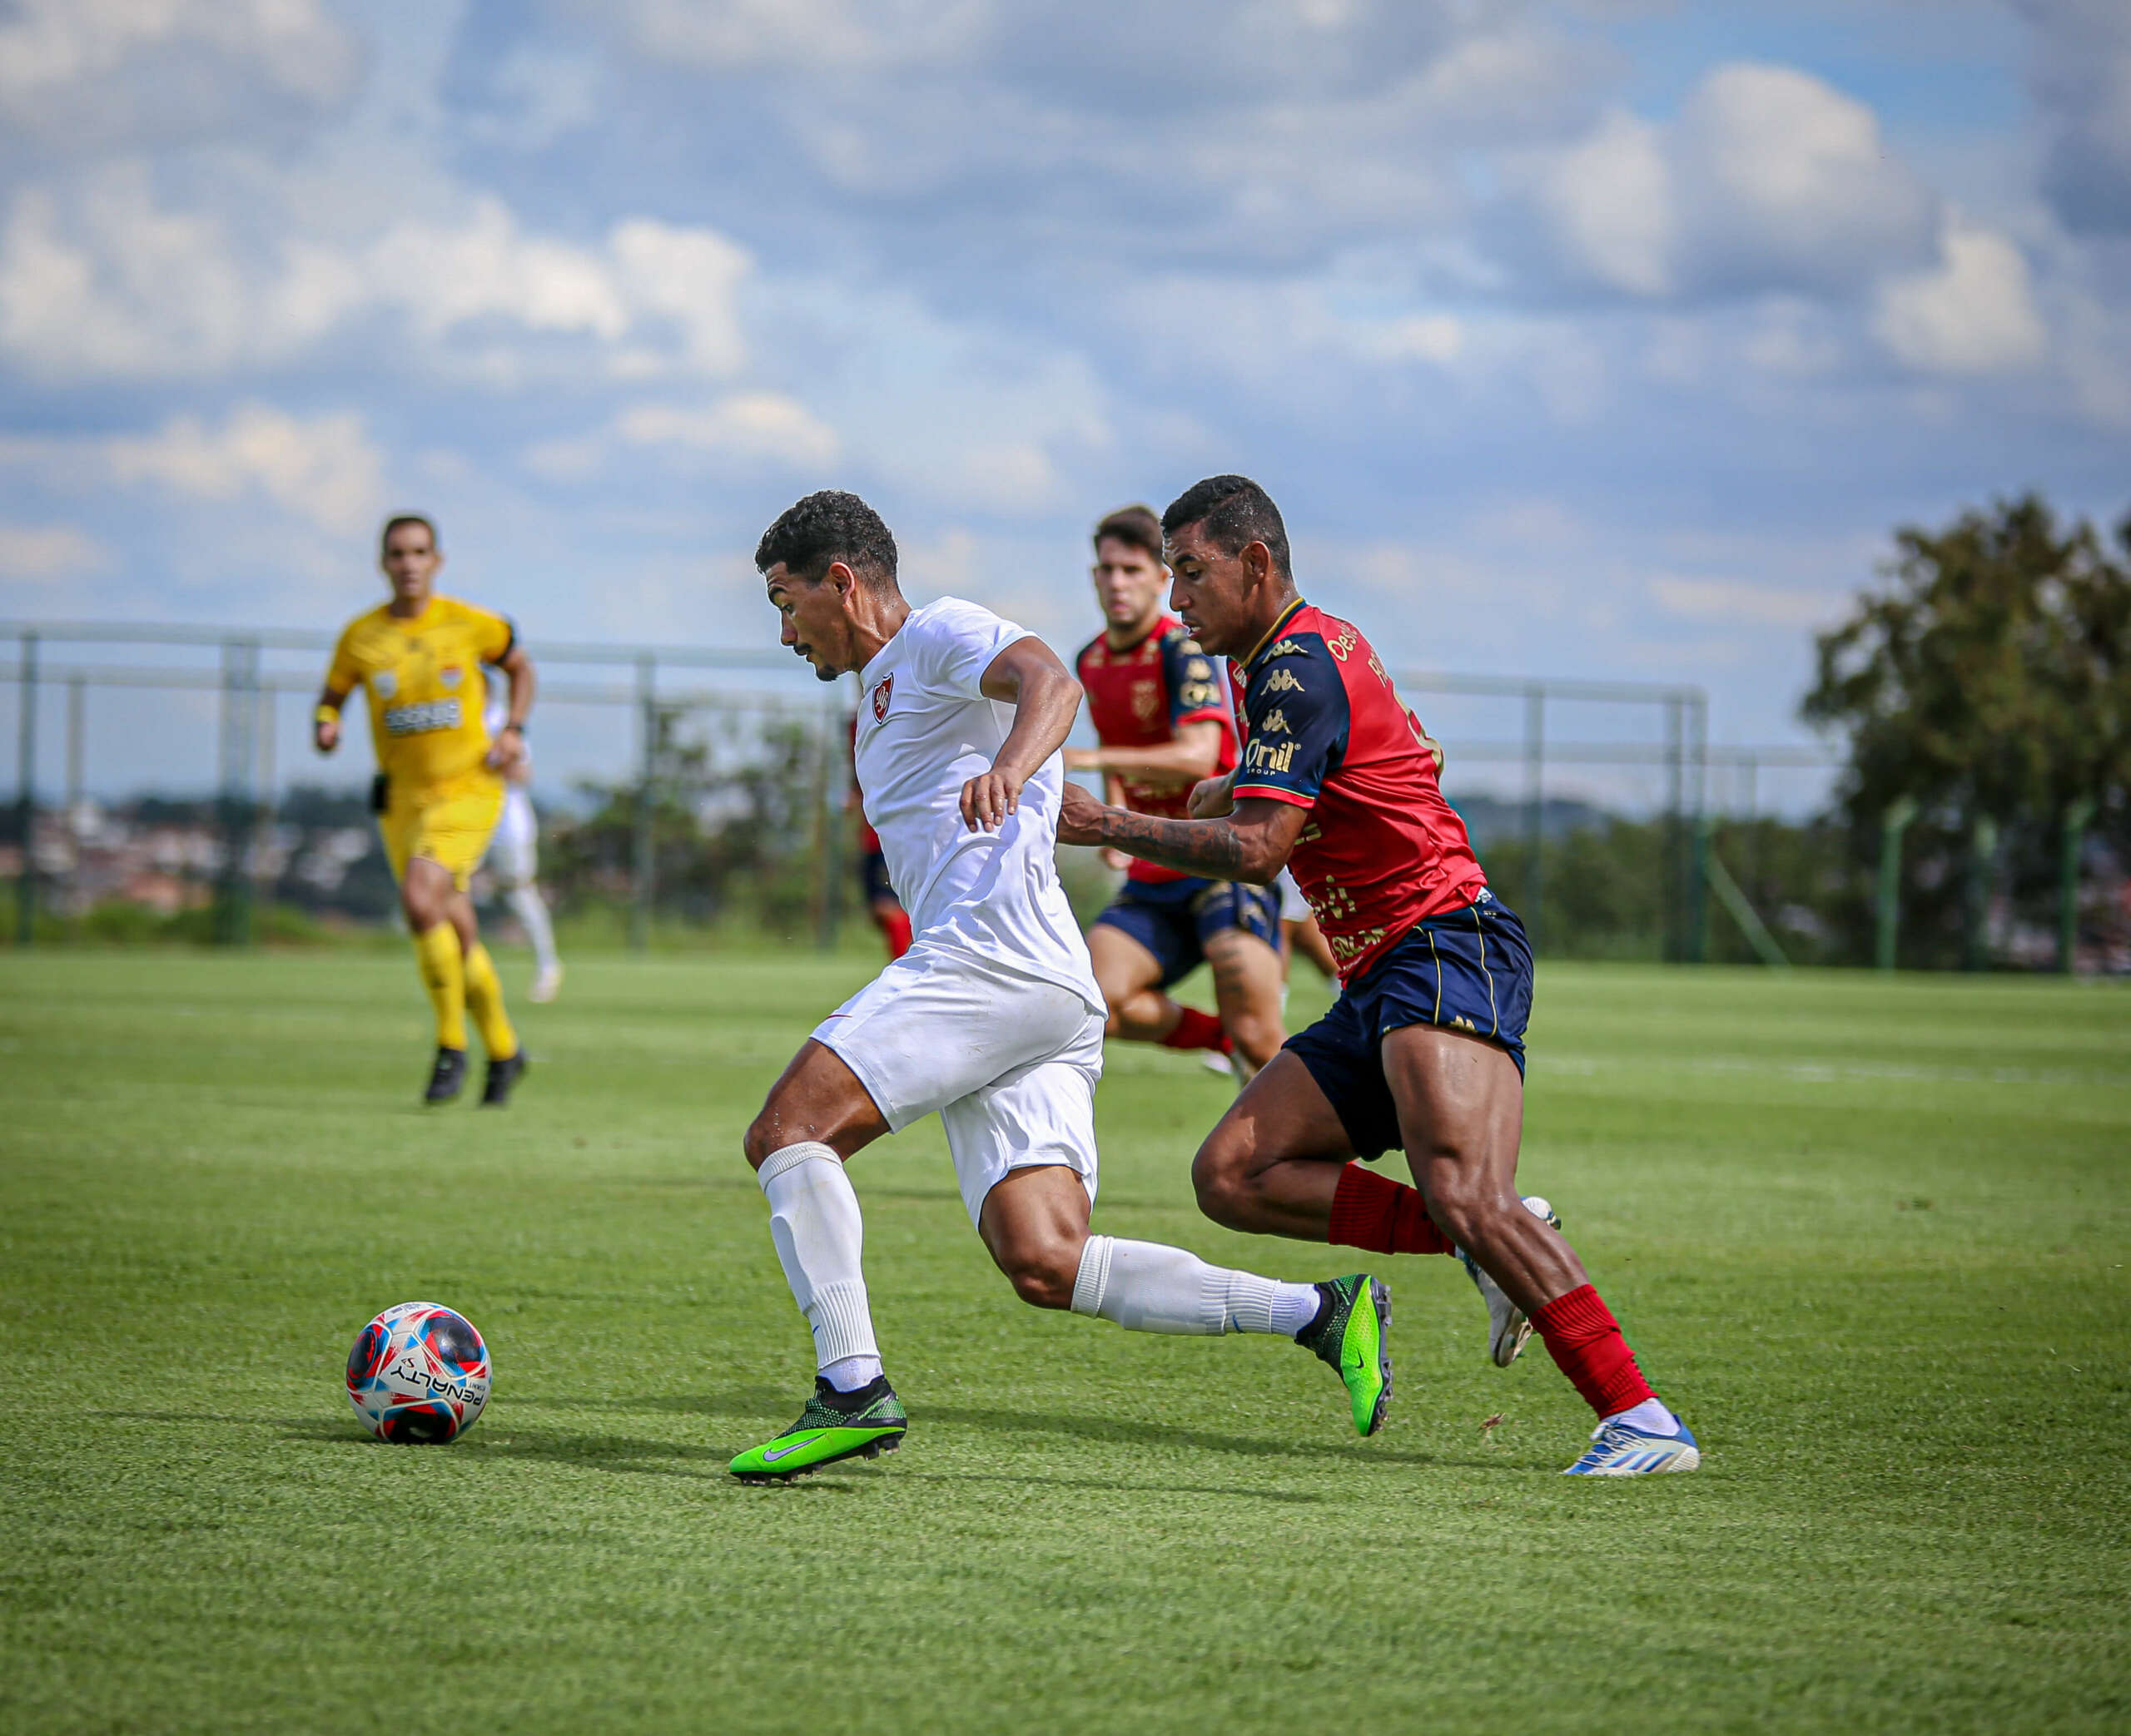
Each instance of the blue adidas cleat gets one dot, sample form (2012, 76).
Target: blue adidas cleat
(1617, 1450)
(1507, 1328)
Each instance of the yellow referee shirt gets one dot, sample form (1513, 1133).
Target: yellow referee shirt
(425, 685)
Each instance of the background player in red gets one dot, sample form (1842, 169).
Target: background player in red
(1424, 1048)
(1162, 714)
(882, 904)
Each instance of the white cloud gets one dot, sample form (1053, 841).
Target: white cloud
(322, 469)
(1732, 599)
(43, 554)
(729, 34)
(1612, 202)
(1770, 179)
(113, 283)
(747, 425)
(690, 276)
(1972, 313)
(96, 70)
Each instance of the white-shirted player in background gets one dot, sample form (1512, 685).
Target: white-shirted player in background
(992, 1017)
(513, 858)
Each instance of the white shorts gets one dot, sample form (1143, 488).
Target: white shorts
(1293, 907)
(513, 855)
(1010, 1062)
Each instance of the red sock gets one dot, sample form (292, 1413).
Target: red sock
(894, 930)
(1196, 1029)
(1385, 1217)
(1585, 1341)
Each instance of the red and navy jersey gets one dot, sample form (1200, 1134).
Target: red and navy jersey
(1323, 729)
(1139, 698)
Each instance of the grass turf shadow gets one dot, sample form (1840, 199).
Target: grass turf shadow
(760, 1401)
(627, 1453)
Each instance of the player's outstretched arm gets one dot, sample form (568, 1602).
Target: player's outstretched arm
(326, 720)
(510, 746)
(1250, 843)
(1027, 676)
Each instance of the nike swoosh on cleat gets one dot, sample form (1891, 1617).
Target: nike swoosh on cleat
(771, 1458)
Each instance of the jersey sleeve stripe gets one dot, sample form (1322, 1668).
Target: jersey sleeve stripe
(1274, 792)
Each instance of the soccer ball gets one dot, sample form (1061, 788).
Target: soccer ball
(418, 1373)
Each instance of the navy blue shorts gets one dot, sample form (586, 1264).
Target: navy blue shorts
(874, 875)
(1469, 970)
(1174, 919)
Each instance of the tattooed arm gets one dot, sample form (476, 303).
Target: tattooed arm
(1250, 843)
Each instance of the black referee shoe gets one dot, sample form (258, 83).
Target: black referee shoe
(502, 1076)
(447, 1077)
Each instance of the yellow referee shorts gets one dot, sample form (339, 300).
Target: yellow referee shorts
(447, 823)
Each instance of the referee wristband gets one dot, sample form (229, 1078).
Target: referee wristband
(326, 714)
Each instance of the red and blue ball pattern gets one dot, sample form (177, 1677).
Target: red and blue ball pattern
(418, 1375)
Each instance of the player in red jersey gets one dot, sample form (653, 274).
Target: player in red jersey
(882, 904)
(1424, 1048)
(1162, 715)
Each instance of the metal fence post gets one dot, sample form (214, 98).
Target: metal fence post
(1892, 824)
(1696, 918)
(26, 792)
(239, 816)
(1671, 878)
(1535, 801)
(643, 856)
(2076, 817)
(76, 723)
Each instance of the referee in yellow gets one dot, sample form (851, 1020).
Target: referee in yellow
(439, 782)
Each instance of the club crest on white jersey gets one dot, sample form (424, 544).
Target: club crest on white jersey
(881, 693)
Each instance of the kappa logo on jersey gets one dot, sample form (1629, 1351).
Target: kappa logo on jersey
(1199, 688)
(1284, 681)
(1274, 723)
(881, 696)
(421, 720)
(1286, 647)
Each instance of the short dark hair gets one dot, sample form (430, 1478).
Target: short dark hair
(1135, 525)
(826, 527)
(401, 521)
(1236, 511)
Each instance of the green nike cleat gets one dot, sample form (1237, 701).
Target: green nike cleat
(835, 1425)
(1351, 1338)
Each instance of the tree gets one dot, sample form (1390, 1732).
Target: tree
(1990, 682)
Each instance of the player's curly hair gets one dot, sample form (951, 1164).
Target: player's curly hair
(1236, 511)
(1135, 526)
(825, 527)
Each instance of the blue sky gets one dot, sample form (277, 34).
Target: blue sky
(1600, 339)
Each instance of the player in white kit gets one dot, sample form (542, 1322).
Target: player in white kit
(513, 858)
(992, 1019)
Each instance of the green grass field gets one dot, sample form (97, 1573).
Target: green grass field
(1869, 1235)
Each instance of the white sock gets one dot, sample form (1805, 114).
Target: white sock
(1144, 1287)
(1651, 1416)
(532, 915)
(847, 1374)
(815, 1224)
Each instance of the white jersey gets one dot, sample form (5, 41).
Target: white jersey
(925, 729)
